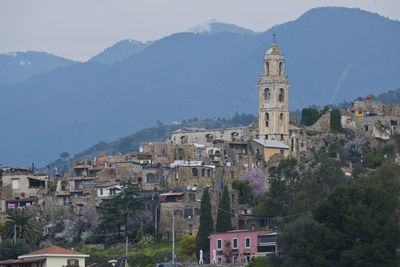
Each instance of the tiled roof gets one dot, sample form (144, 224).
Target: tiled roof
(54, 250)
(108, 184)
(38, 259)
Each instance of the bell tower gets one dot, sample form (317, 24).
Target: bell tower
(273, 97)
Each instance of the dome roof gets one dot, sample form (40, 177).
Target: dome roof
(274, 50)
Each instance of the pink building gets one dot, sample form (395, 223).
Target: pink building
(242, 245)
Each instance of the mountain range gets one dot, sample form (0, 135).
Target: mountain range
(332, 54)
(16, 67)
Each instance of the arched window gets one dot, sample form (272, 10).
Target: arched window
(267, 68)
(281, 116)
(281, 95)
(280, 68)
(266, 119)
(267, 94)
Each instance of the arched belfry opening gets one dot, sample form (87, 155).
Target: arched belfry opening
(280, 68)
(267, 94)
(281, 95)
(267, 68)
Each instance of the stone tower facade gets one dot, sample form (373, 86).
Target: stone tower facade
(273, 97)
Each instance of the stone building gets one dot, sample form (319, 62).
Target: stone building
(185, 207)
(273, 98)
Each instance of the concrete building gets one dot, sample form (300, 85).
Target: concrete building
(48, 257)
(242, 245)
(273, 98)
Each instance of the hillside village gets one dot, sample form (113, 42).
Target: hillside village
(171, 176)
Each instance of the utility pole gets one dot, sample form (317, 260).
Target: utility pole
(141, 227)
(173, 238)
(155, 226)
(126, 250)
(15, 234)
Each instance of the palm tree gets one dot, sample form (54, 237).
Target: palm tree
(26, 225)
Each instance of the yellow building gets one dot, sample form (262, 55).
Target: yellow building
(48, 257)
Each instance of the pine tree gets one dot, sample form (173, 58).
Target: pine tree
(206, 226)
(224, 222)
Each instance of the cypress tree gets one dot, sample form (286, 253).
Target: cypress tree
(206, 227)
(335, 122)
(224, 222)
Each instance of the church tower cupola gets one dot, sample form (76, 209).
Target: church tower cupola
(273, 90)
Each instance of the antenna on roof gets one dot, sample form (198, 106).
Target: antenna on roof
(273, 37)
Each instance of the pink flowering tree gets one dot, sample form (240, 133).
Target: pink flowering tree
(257, 180)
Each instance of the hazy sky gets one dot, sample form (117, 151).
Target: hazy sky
(79, 29)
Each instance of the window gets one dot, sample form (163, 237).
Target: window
(281, 95)
(197, 211)
(219, 244)
(190, 229)
(266, 137)
(72, 262)
(181, 153)
(232, 174)
(219, 260)
(235, 243)
(281, 116)
(267, 116)
(150, 178)
(192, 197)
(198, 151)
(281, 137)
(266, 123)
(208, 172)
(267, 68)
(267, 238)
(267, 94)
(280, 68)
(209, 138)
(235, 259)
(183, 139)
(257, 151)
(195, 172)
(247, 242)
(203, 172)
(365, 128)
(15, 183)
(101, 191)
(188, 213)
(282, 152)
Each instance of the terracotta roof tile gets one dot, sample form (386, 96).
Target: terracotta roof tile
(53, 250)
